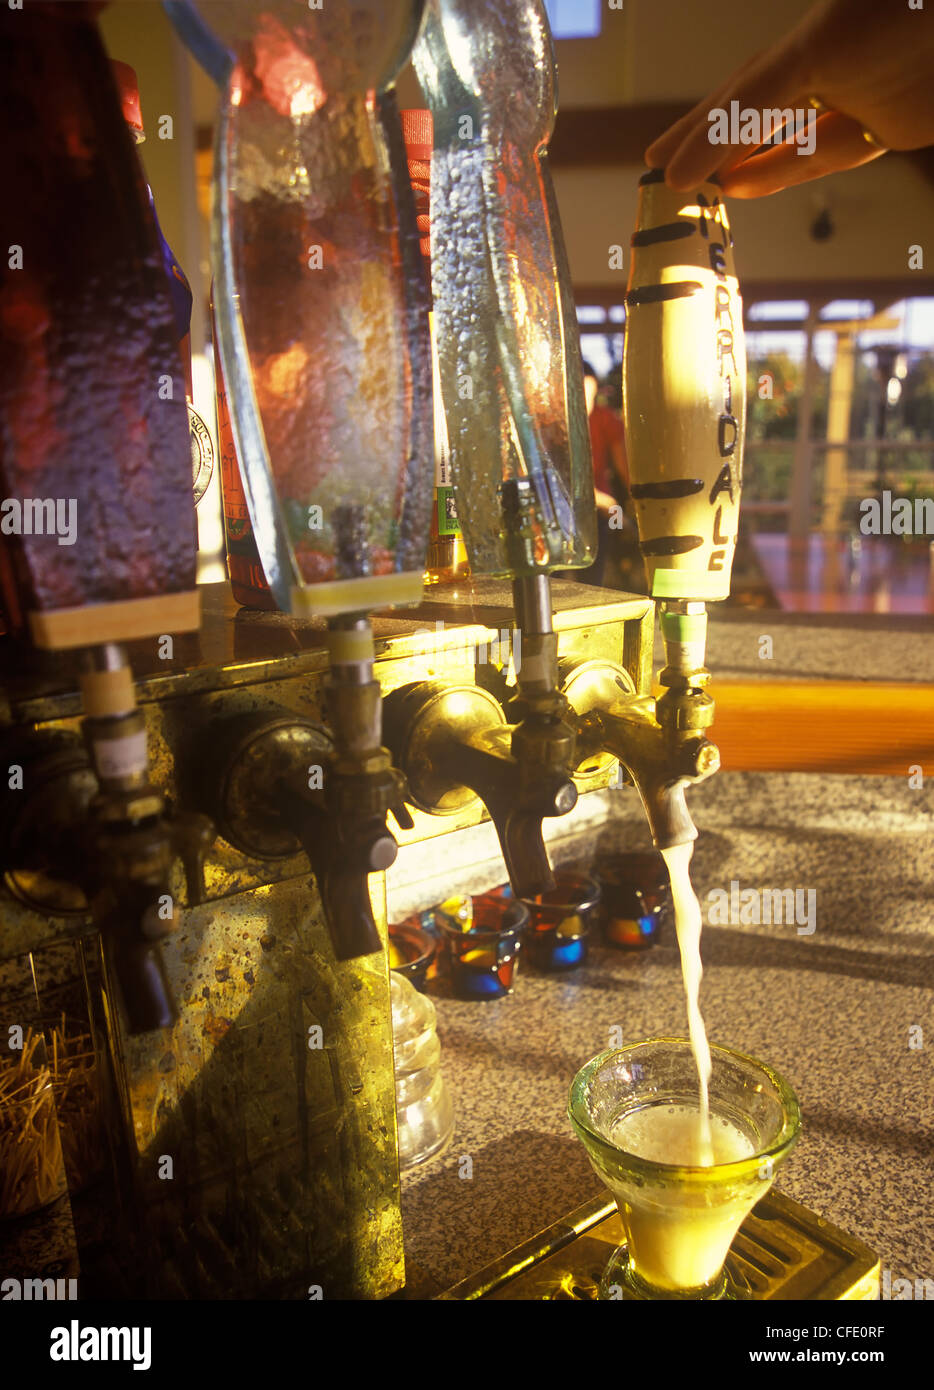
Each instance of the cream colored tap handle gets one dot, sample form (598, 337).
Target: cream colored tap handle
(684, 389)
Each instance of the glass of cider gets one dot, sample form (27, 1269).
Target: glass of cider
(636, 1111)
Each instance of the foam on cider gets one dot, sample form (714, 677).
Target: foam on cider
(668, 1134)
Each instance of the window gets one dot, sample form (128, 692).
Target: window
(767, 309)
(603, 353)
(574, 19)
(847, 309)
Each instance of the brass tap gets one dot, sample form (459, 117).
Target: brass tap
(131, 844)
(455, 744)
(92, 837)
(661, 746)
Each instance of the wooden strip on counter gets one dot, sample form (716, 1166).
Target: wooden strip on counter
(824, 726)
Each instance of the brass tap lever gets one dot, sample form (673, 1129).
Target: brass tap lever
(283, 787)
(454, 745)
(661, 769)
(662, 746)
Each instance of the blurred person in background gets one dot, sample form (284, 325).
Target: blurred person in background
(610, 474)
(618, 563)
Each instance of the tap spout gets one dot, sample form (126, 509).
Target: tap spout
(661, 763)
(454, 745)
(131, 844)
(519, 796)
(360, 787)
(346, 840)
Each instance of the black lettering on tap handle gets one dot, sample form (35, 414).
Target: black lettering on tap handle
(723, 483)
(726, 446)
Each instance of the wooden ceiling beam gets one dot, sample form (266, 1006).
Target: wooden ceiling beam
(598, 137)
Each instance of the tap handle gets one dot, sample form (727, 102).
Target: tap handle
(192, 837)
(343, 855)
(684, 389)
(130, 920)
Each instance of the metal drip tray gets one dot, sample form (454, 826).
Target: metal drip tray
(782, 1251)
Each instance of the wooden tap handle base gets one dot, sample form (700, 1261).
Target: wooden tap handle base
(91, 625)
(823, 726)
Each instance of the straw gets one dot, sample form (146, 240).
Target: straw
(36, 1101)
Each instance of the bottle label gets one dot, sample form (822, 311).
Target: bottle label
(448, 525)
(445, 511)
(202, 453)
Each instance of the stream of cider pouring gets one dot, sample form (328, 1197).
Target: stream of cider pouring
(688, 924)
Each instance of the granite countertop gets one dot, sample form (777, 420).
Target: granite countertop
(844, 1013)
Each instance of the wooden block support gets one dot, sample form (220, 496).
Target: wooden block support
(91, 625)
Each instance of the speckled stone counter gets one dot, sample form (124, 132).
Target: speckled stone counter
(845, 1012)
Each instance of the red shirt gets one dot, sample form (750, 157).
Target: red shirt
(606, 429)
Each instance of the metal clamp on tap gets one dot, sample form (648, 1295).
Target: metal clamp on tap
(288, 784)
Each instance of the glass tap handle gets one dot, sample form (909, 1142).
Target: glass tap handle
(508, 344)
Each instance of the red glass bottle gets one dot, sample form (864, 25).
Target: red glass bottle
(88, 341)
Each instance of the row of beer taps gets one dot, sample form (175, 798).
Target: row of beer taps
(503, 321)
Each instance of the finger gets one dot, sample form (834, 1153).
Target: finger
(782, 135)
(772, 82)
(839, 144)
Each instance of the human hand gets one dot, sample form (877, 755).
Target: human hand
(870, 62)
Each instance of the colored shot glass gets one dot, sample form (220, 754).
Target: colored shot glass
(484, 958)
(636, 899)
(411, 950)
(560, 920)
